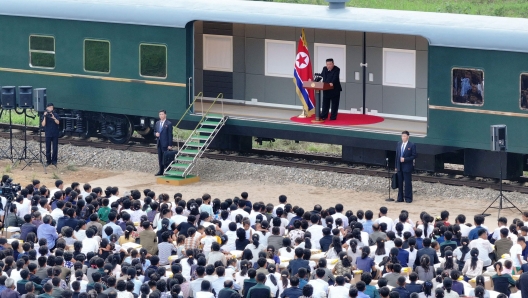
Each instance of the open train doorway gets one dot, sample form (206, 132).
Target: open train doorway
(252, 65)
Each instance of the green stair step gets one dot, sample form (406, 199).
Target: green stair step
(210, 123)
(214, 116)
(179, 165)
(198, 137)
(205, 130)
(174, 173)
(194, 144)
(184, 158)
(190, 151)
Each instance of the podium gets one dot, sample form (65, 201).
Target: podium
(318, 87)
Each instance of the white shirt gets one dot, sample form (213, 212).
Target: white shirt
(234, 213)
(320, 288)
(231, 239)
(204, 295)
(252, 217)
(274, 213)
(484, 247)
(516, 250)
(112, 199)
(496, 233)
(464, 230)
(338, 292)
(43, 212)
(430, 229)
(56, 213)
(407, 227)
(403, 148)
(225, 225)
(178, 219)
(52, 192)
(340, 215)
(23, 208)
(317, 234)
(90, 244)
(385, 219)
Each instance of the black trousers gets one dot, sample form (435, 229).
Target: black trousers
(161, 152)
(51, 157)
(334, 102)
(405, 186)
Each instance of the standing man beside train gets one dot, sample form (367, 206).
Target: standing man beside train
(50, 122)
(163, 132)
(405, 156)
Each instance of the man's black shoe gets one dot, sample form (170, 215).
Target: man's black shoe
(158, 174)
(48, 163)
(333, 119)
(398, 201)
(54, 163)
(408, 201)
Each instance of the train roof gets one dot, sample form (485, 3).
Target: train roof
(440, 29)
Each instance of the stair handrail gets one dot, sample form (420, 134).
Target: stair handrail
(183, 116)
(219, 96)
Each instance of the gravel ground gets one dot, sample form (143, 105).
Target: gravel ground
(216, 170)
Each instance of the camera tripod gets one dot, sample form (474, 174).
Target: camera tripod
(501, 197)
(33, 157)
(8, 152)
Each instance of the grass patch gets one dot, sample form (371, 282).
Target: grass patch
(8, 169)
(71, 167)
(503, 8)
(55, 176)
(181, 134)
(292, 146)
(19, 119)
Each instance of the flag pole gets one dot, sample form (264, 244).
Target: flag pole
(302, 115)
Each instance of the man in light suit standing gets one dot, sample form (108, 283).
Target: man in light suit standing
(405, 156)
(163, 132)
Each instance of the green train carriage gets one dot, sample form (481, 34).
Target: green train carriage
(123, 88)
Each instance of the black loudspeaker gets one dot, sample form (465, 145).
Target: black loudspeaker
(25, 97)
(8, 97)
(499, 135)
(39, 99)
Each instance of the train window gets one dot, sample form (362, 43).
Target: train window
(42, 51)
(524, 91)
(153, 60)
(468, 86)
(97, 55)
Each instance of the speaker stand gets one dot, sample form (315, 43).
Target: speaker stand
(501, 197)
(8, 152)
(36, 157)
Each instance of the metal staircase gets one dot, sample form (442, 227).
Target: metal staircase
(197, 142)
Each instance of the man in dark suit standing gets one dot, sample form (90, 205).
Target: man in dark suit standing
(50, 122)
(330, 75)
(163, 131)
(405, 155)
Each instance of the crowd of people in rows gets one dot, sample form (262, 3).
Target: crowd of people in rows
(84, 242)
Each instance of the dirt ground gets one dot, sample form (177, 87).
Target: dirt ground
(302, 195)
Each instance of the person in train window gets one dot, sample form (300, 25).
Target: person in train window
(330, 75)
(465, 84)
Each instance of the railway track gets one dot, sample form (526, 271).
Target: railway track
(286, 159)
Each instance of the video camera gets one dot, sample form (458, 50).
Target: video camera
(9, 189)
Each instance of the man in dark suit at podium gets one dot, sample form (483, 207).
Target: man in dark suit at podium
(405, 156)
(330, 75)
(163, 131)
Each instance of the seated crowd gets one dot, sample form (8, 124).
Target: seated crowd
(84, 242)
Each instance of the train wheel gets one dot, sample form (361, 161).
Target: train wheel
(88, 130)
(147, 134)
(127, 133)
